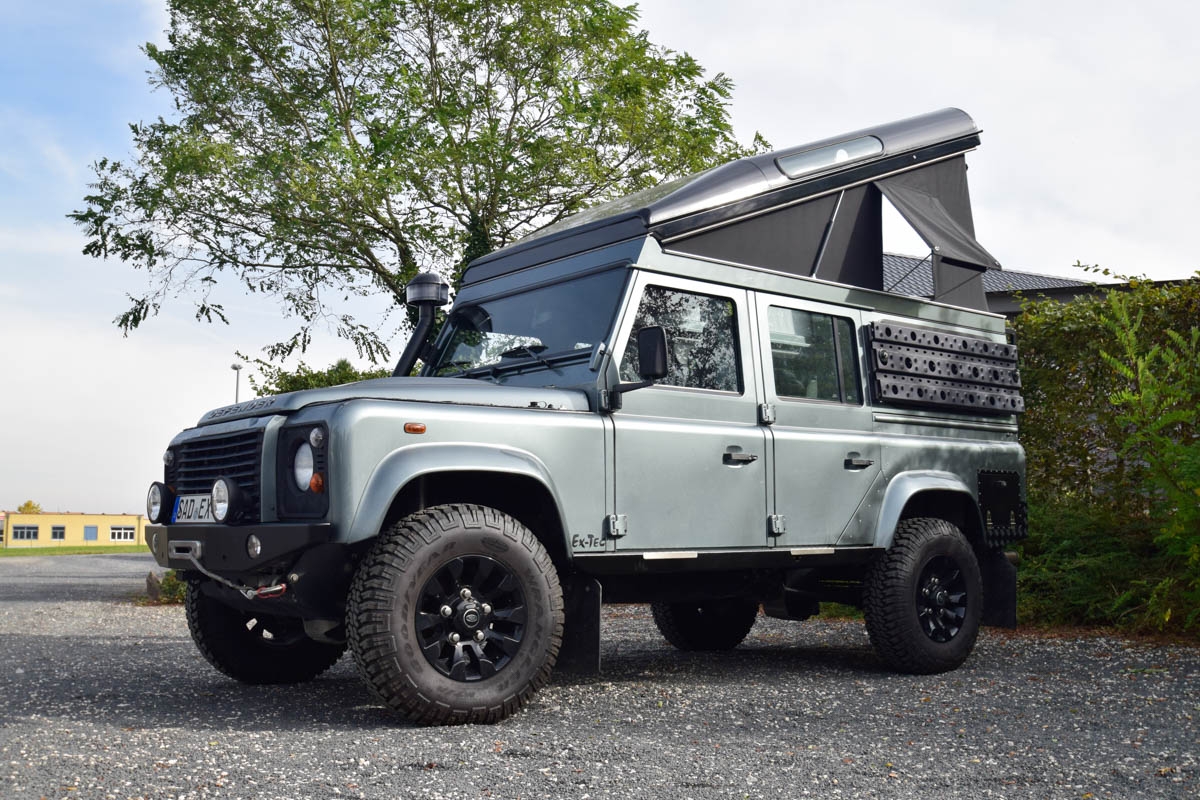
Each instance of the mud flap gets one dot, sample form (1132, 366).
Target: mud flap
(999, 590)
(580, 652)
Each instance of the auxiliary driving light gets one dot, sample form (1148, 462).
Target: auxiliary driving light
(226, 500)
(159, 501)
(253, 546)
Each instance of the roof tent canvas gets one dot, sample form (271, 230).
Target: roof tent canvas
(813, 210)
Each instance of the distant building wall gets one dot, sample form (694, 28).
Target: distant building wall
(72, 530)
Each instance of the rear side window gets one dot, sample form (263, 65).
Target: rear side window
(813, 356)
(701, 339)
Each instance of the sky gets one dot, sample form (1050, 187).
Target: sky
(1088, 112)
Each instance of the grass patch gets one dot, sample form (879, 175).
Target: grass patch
(81, 550)
(840, 611)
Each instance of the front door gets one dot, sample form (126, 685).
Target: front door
(690, 456)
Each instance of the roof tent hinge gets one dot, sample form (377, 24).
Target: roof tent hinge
(777, 525)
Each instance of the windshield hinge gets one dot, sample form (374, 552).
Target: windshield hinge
(616, 526)
(777, 524)
(597, 356)
(766, 413)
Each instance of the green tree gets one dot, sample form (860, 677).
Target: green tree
(330, 148)
(278, 381)
(29, 507)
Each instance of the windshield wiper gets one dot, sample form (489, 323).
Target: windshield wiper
(533, 351)
(550, 362)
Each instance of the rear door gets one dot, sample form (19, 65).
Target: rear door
(826, 455)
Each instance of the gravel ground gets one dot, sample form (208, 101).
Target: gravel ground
(105, 699)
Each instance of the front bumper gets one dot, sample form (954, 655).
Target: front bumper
(222, 548)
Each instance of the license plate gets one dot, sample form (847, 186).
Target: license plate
(192, 508)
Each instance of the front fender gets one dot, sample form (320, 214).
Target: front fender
(904, 487)
(401, 467)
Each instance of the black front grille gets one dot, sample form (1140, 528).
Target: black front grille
(237, 456)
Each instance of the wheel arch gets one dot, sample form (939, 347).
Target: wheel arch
(512, 481)
(942, 495)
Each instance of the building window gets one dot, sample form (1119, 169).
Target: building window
(122, 533)
(58, 532)
(812, 356)
(25, 533)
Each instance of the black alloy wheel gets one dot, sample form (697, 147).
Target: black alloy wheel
(470, 618)
(942, 599)
(255, 648)
(923, 598)
(456, 615)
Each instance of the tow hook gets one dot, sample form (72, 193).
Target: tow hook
(191, 551)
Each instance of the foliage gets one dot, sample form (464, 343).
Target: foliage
(29, 507)
(278, 381)
(1159, 407)
(1111, 442)
(171, 589)
(331, 148)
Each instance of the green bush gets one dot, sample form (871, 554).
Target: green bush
(171, 589)
(1112, 438)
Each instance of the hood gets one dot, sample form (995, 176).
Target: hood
(462, 391)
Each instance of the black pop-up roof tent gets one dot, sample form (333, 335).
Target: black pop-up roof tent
(813, 210)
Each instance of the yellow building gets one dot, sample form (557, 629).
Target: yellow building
(71, 530)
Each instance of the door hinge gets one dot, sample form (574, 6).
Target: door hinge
(616, 526)
(766, 413)
(777, 524)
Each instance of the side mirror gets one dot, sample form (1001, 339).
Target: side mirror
(652, 353)
(652, 361)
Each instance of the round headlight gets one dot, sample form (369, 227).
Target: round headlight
(302, 466)
(221, 497)
(154, 502)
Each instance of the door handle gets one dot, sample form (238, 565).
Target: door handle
(857, 463)
(736, 459)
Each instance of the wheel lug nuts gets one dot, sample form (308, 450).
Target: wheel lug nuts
(447, 611)
(479, 636)
(465, 594)
(454, 638)
(485, 608)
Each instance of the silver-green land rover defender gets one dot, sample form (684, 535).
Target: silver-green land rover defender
(701, 396)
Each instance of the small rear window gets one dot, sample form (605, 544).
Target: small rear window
(821, 158)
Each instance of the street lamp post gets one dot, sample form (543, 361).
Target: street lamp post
(237, 381)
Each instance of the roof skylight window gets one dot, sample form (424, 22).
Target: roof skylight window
(809, 161)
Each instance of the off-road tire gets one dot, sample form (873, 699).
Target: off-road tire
(709, 625)
(911, 629)
(399, 644)
(255, 648)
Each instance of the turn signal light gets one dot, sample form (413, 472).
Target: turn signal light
(316, 484)
(414, 427)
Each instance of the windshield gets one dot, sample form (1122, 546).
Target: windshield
(553, 327)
